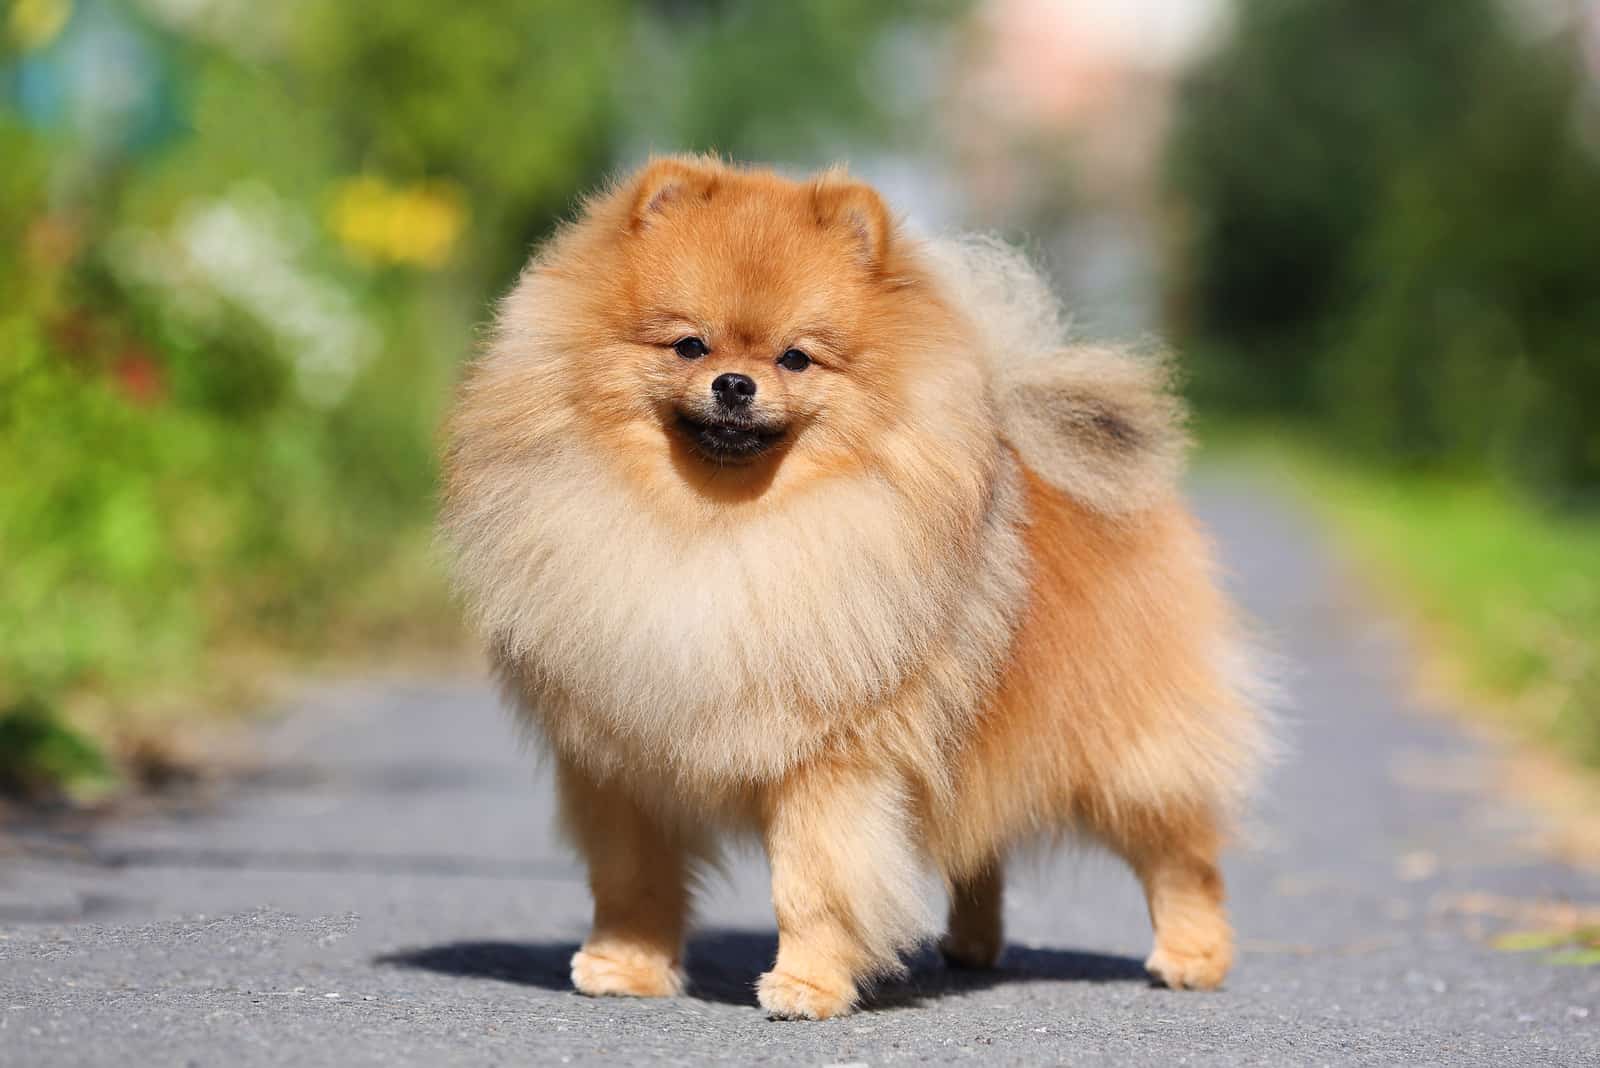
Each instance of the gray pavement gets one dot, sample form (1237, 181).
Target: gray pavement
(388, 889)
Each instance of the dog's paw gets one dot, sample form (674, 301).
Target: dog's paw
(625, 973)
(788, 997)
(1203, 970)
(967, 950)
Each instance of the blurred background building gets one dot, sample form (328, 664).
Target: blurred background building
(245, 248)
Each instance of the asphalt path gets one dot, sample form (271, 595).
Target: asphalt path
(387, 888)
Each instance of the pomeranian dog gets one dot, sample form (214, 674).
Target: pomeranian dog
(778, 521)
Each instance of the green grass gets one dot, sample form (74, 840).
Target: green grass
(41, 756)
(1510, 593)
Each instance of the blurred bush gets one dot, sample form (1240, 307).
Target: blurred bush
(243, 248)
(1388, 229)
(39, 754)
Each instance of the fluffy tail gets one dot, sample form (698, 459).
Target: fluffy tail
(1100, 423)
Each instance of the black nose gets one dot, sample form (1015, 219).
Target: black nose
(733, 391)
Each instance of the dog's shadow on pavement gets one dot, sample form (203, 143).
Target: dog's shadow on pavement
(724, 964)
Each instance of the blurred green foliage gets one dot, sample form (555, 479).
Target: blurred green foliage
(1390, 232)
(244, 248)
(40, 757)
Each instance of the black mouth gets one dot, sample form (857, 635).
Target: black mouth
(727, 440)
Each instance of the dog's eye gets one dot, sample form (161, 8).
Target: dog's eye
(690, 348)
(794, 360)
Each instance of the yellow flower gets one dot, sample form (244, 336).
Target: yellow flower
(416, 224)
(32, 24)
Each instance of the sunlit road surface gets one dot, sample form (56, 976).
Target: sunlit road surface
(389, 889)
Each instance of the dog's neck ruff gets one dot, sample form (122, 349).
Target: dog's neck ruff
(736, 652)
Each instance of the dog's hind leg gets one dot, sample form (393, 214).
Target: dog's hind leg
(1174, 854)
(639, 875)
(975, 933)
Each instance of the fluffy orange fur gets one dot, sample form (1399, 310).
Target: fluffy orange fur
(917, 599)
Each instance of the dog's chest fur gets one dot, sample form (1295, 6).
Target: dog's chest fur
(732, 653)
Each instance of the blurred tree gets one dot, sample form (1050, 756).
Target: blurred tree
(1386, 227)
(791, 82)
(1284, 140)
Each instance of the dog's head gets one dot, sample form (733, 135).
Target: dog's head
(751, 302)
(739, 323)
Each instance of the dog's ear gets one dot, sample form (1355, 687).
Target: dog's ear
(857, 209)
(664, 182)
(1102, 425)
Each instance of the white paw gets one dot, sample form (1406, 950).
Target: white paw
(786, 997)
(627, 973)
(1204, 970)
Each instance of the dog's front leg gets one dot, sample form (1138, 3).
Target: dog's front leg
(639, 875)
(845, 887)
